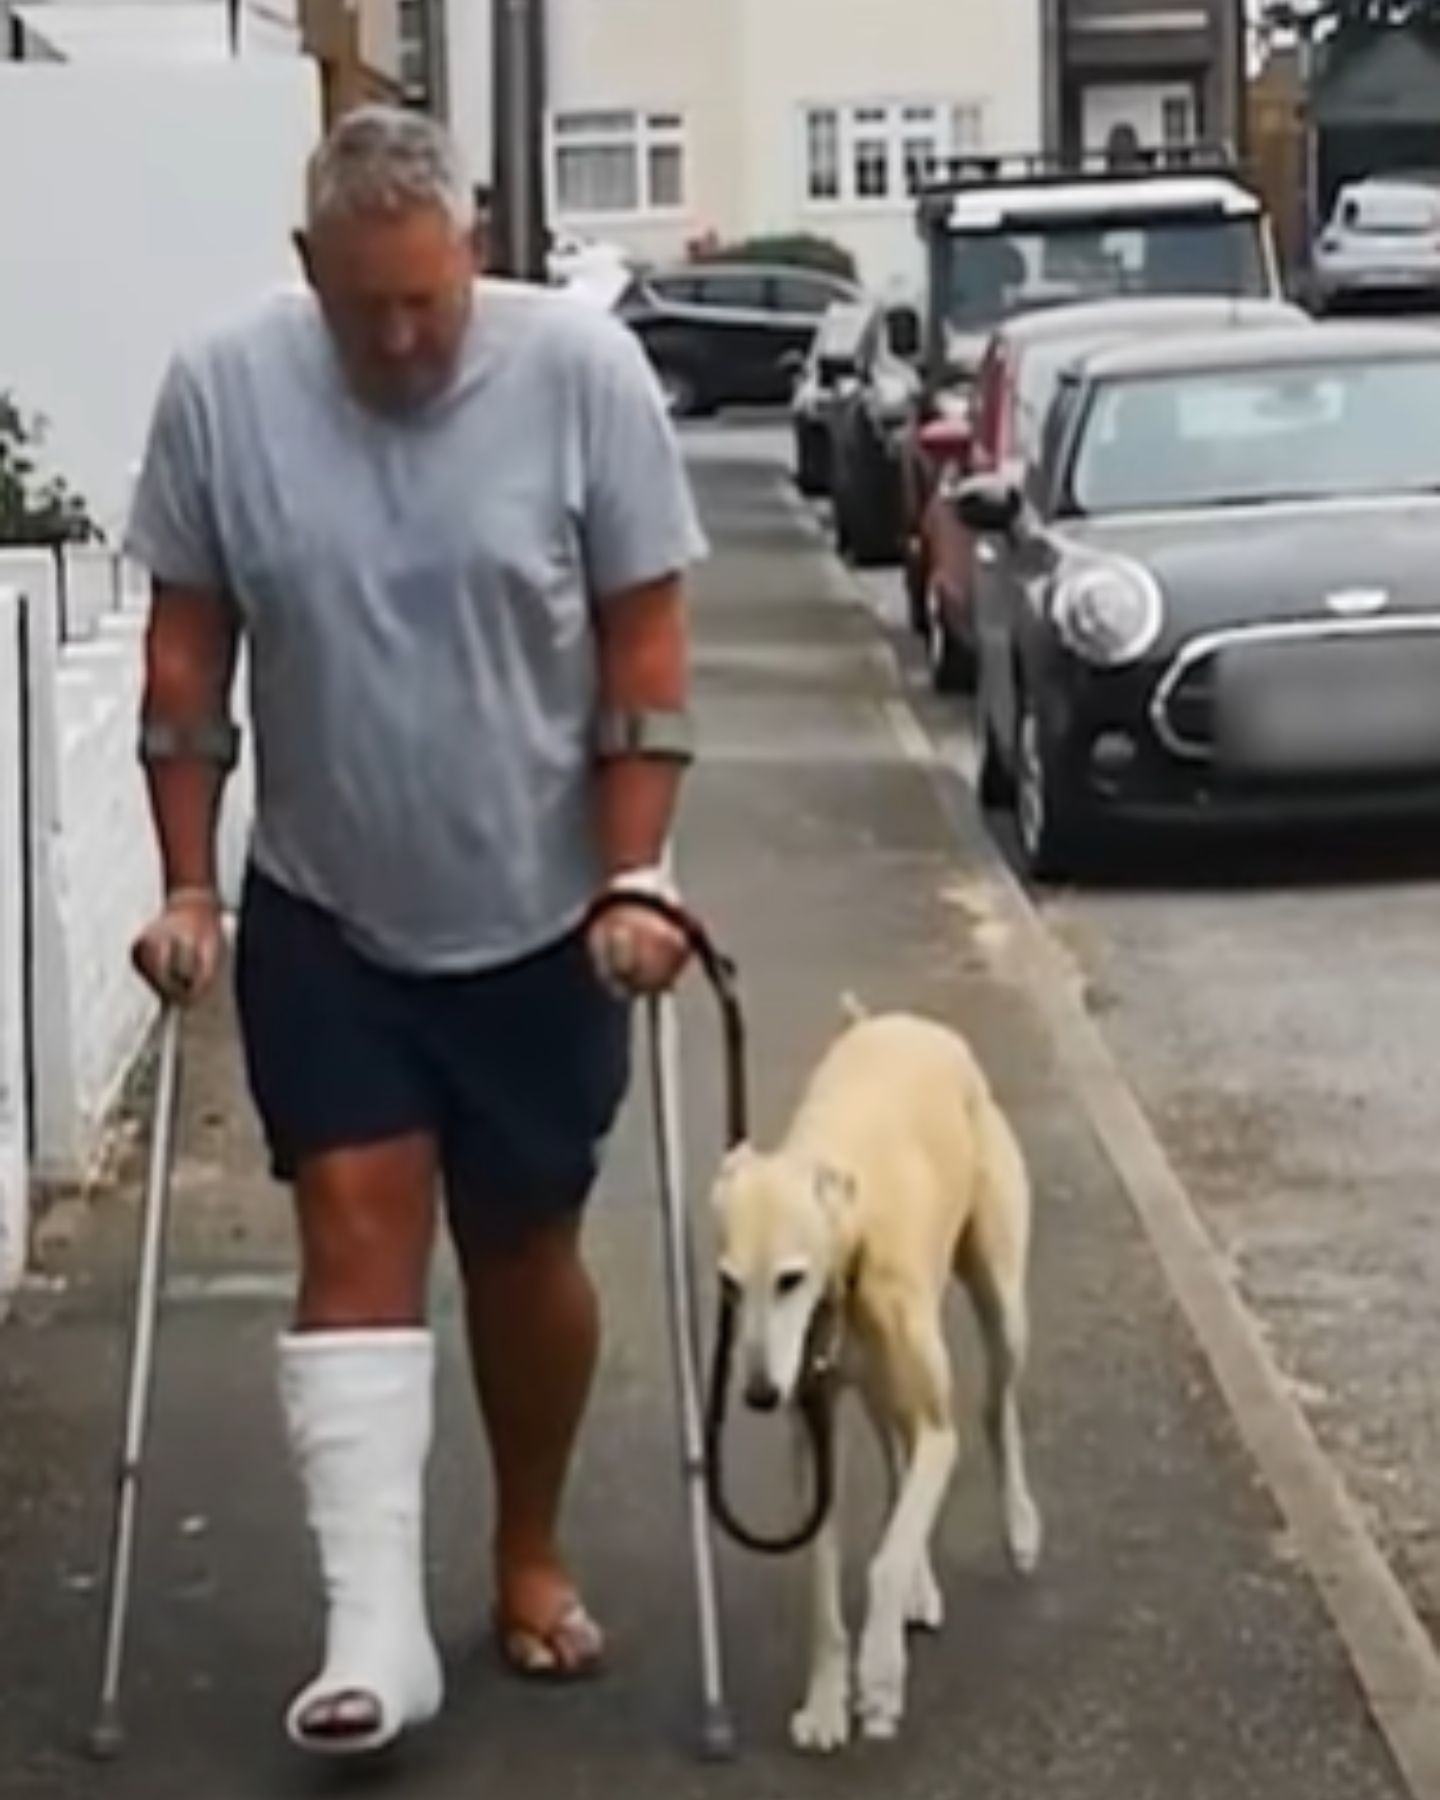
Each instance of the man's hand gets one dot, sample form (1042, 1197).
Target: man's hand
(634, 950)
(179, 953)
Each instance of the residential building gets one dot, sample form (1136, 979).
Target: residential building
(355, 44)
(672, 122)
(423, 56)
(1165, 70)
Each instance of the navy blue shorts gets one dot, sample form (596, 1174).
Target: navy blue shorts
(516, 1073)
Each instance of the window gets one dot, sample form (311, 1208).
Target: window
(618, 162)
(822, 144)
(1177, 120)
(745, 293)
(803, 294)
(874, 152)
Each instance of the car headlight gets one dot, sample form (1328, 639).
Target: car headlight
(1109, 613)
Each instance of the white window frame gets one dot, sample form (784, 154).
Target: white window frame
(645, 129)
(950, 125)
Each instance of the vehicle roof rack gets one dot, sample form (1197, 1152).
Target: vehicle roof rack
(943, 177)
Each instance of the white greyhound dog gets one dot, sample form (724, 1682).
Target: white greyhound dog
(898, 1170)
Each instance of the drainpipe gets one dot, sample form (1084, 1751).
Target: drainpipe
(518, 229)
(1052, 75)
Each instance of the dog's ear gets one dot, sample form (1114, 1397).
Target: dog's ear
(835, 1189)
(737, 1158)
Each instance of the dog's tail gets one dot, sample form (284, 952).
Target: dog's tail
(854, 1008)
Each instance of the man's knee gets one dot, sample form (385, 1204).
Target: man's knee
(366, 1225)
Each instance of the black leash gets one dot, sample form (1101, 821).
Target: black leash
(815, 1398)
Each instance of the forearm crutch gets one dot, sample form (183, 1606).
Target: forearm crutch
(107, 1735)
(717, 1730)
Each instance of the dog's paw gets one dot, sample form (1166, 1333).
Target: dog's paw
(822, 1726)
(1024, 1536)
(925, 1609)
(881, 1683)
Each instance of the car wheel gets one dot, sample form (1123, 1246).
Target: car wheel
(682, 395)
(952, 663)
(840, 517)
(809, 465)
(994, 781)
(874, 532)
(917, 586)
(1049, 817)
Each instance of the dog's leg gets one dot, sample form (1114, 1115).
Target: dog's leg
(923, 1379)
(823, 1721)
(925, 1609)
(994, 1273)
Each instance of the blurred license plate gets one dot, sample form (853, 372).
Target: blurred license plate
(1344, 707)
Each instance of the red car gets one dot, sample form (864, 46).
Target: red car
(1011, 397)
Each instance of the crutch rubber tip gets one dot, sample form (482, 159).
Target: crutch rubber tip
(107, 1739)
(718, 1742)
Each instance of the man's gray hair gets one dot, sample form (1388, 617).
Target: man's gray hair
(387, 160)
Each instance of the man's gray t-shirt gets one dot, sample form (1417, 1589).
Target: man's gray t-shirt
(416, 596)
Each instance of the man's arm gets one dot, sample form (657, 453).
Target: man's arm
(643, 668)
(190, 653)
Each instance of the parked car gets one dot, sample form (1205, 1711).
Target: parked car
(832, 365)
(1017, 376)
(728, 334)
(1382, 241)
(1008, 236)
(867, 426)
(1212, 595)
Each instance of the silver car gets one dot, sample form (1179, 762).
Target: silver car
(1383, 240)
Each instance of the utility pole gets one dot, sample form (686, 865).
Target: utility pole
(517, 232)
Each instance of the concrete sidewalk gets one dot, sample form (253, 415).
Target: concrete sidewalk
(1169, 1647)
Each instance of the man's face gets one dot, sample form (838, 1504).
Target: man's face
(396, 294)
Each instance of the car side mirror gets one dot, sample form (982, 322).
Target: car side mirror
(902, 324)
(948, 441)
(835, 369)
(989, 503)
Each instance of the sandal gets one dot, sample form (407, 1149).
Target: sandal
(571, 1649)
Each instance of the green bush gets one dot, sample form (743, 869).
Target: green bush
(794, 250)
(35, 509)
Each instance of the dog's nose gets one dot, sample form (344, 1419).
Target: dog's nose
(761, 1394)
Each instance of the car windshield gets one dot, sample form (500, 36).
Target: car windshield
(997, 275)
(1391, 211)
(1242, 438)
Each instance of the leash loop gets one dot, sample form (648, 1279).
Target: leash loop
(815, 1398)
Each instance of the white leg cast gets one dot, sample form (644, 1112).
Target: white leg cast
(358, 1407)
(823, 1721)
(893, 1577)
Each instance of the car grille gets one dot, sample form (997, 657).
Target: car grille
(1189, 710)
(1183, 708)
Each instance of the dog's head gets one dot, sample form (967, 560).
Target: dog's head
(781, 1231)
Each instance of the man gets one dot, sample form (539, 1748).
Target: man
(449, 520)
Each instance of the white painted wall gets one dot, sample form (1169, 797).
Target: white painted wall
(742, 71)
(125, 254)
(14, 1197)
